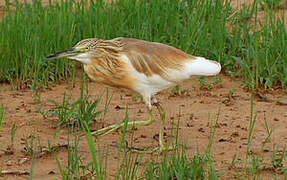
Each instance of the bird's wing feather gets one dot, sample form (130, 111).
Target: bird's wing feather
(152, 58)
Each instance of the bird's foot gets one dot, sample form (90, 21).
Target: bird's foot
(107, 130)
(157, 150)
(119, 127)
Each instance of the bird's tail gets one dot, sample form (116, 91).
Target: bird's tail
(203, 67)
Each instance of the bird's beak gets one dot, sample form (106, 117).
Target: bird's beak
(66, 53)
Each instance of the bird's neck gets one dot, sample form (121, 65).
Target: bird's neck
(84, 58)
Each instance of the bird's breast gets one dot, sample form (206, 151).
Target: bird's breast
(119, 78)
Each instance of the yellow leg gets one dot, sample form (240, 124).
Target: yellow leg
(159, 149)
(162, 118)
(114, 127)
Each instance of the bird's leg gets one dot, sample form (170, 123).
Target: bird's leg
(149, 120)
(114, 127)
(162, 118)
(161, 147)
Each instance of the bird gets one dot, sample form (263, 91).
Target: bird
(138, 65)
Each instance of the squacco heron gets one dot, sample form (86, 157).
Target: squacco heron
(141, 66)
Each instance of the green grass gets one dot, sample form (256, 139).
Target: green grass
(72, 113)
(30, 32)
(170, 165)
(256, 165)
(209, 28)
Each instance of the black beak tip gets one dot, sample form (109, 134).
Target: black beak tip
(59, 54)
(49, 56)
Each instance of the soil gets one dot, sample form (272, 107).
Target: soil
(194, 108)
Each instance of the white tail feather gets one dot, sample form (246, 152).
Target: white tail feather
(202, 67)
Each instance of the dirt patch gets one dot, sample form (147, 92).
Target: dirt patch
(279, 11)
(195, 107)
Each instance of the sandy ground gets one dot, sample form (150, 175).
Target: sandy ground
(194, 109)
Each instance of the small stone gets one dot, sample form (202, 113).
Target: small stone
(191, 116)
(22, 161)
(201, 130)
(156, 137)
(276, 119)
(51, 172)
(189, 125)
(9, 163)
(143, 136)
(118, 107)
(235, 134)
(221, 140)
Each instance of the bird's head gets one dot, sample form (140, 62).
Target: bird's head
(81, 51)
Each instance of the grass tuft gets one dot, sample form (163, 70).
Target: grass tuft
(208, 28)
